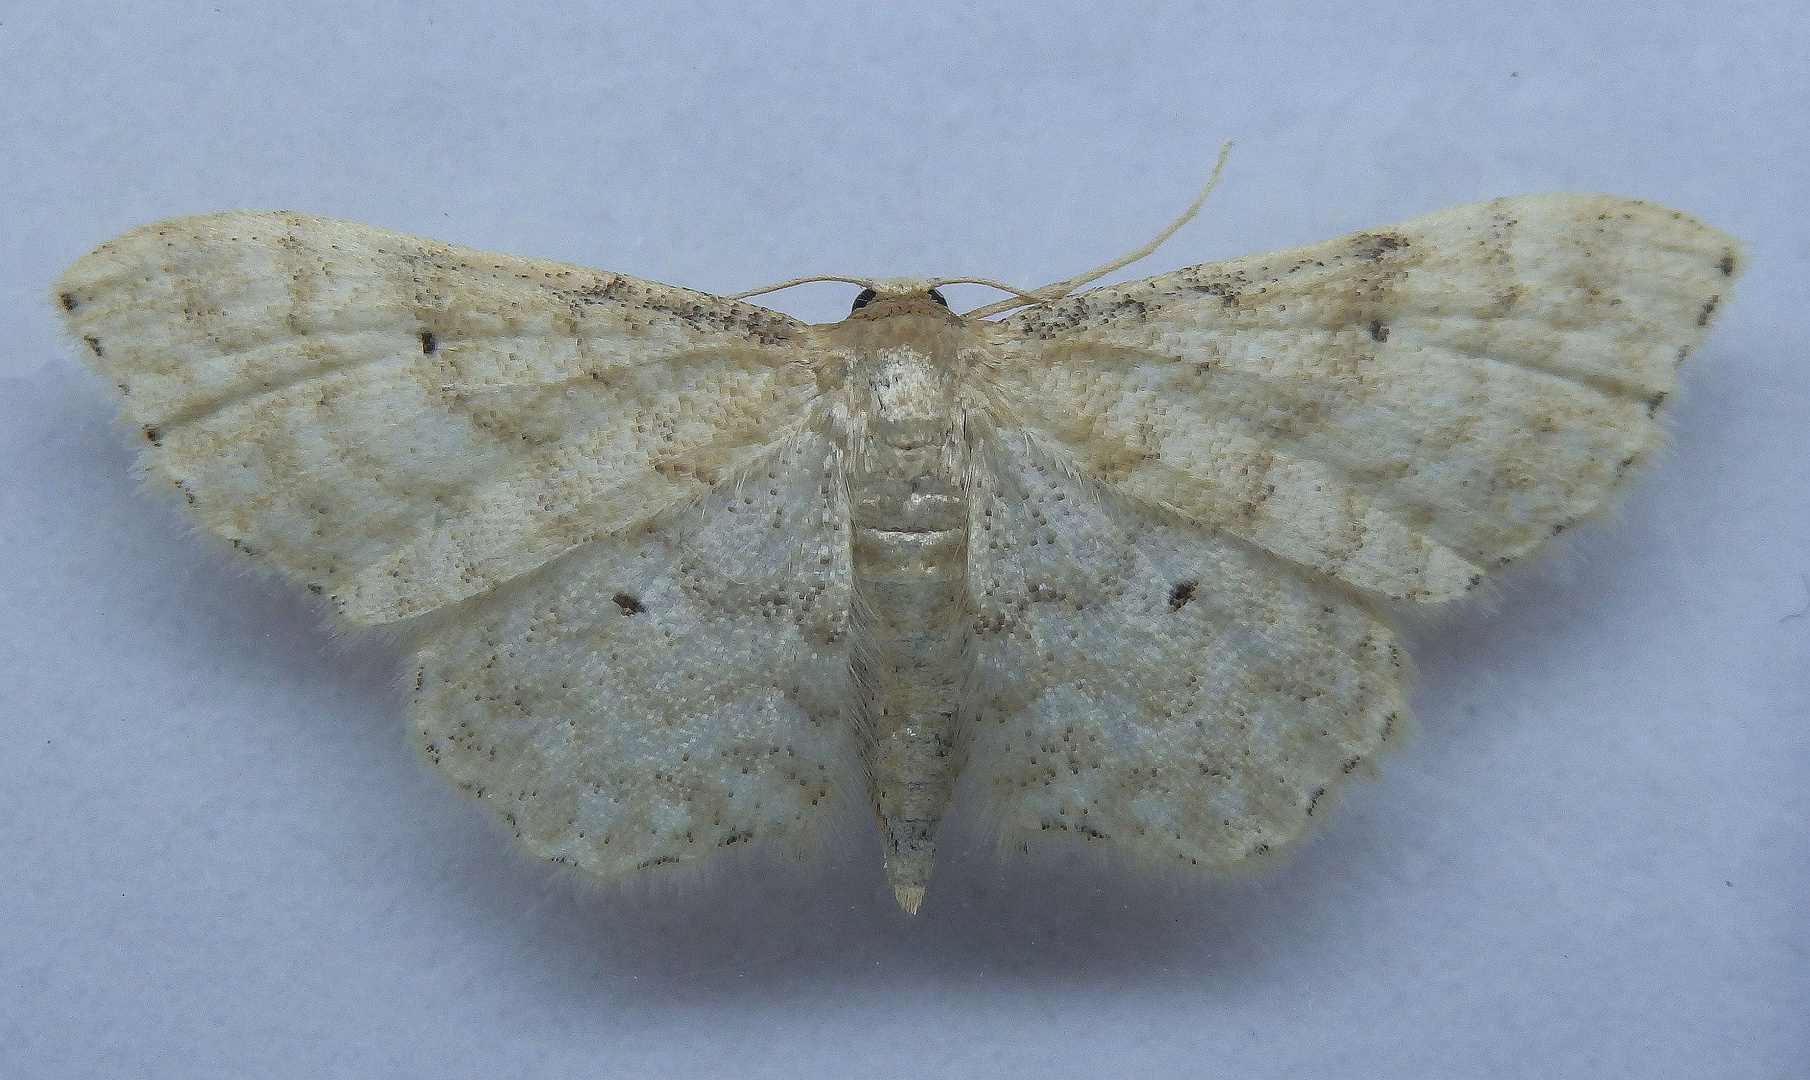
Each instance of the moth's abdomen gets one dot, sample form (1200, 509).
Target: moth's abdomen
(909, 512)
(911, 528)
(910, 548)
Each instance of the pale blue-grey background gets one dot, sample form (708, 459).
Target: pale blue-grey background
(219, 855)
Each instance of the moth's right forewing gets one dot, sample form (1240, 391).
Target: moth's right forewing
(1404, 409)
(400, 424)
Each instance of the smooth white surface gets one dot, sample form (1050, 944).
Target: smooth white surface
(219, 856)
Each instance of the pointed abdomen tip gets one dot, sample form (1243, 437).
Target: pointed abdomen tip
(910, 896)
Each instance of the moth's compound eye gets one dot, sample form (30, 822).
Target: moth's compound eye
(866, 298)
(938, 297)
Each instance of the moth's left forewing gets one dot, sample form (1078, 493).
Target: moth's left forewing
(400, 424)
(1404, 408)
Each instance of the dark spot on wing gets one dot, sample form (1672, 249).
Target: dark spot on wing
(1182, 593)
(1226, 289)
(428, 343)
(94, 345)
(153, 436)
(1374, 246)
(68, 299)
(1709, 309)
(1378, 332)
(1727, 265)
(700, 311)
(630, 605)
(1127, 304)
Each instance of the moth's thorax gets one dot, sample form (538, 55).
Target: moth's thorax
(896, 365)
(915, 322)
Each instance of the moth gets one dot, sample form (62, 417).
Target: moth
(677, 573)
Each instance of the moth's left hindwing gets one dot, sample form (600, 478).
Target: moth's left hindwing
(667, 692)
(400, 424)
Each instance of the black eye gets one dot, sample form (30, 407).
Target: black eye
(866, 298)
(938, 297)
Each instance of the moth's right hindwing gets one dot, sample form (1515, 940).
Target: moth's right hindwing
(400, 424)
(1142, 681)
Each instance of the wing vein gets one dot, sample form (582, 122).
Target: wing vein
(263, 388)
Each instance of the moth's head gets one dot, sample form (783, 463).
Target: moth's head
(885, 297)
(898, 296)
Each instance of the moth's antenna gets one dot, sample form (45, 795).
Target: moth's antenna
(1063, 288)
(869, 283)
(1029, 297)
(865, 283)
